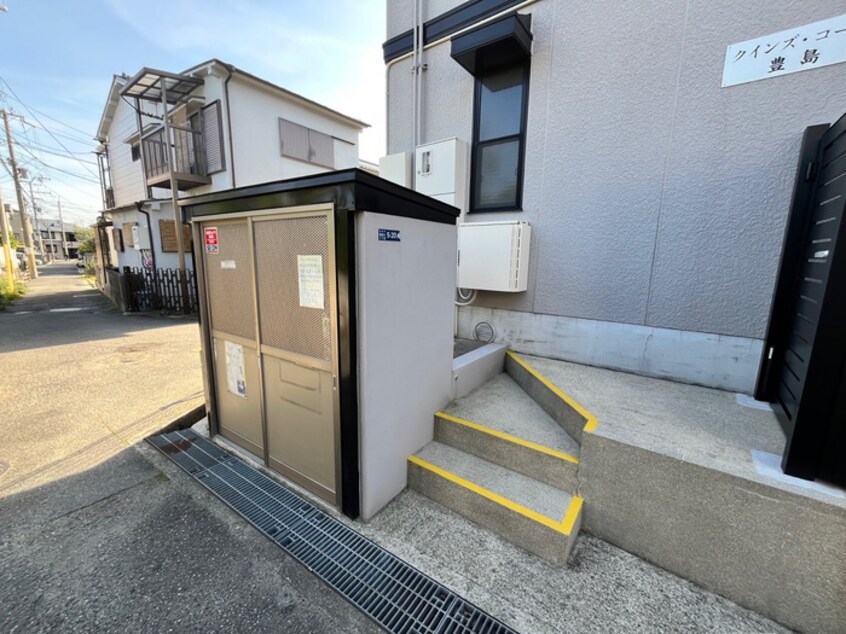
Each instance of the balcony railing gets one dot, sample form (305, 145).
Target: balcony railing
(189, 152)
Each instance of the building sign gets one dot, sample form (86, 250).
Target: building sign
(210, 235)
(801, 48)
(390, 235)
(310, 275)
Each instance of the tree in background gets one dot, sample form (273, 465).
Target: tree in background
(14, 243)
(85, 238)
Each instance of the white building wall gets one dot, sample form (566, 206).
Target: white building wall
(256, 111)
(122, 220)
(657, 198)
(127, 175)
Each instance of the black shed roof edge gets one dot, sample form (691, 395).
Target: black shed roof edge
(384, 189)
(446, 24)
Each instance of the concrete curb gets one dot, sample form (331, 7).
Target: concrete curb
(184, 421)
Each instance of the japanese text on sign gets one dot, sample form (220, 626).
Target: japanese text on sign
(236, 381)
(310, 274)
(212, 245)
(805, 47)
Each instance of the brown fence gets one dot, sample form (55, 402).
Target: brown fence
(159, 289)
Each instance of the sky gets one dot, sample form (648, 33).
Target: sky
(57, 59)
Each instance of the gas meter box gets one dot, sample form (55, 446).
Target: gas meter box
(326, 308)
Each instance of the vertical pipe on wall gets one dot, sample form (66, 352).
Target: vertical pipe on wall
(418, 74)
(414, 80)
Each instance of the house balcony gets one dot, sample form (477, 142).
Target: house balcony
(189, 168)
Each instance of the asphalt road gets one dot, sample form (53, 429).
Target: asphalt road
(98, 532)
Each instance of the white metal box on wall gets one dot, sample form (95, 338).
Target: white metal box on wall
(140, 236)
(442, 171)
(494, 256)
(397, 168)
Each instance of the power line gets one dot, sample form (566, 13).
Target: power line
(59, 169)
(64, 136)
(51, 151)
(46, 129)
(74, 209)
(86, 135)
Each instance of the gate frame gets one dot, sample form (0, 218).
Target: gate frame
(812, 435)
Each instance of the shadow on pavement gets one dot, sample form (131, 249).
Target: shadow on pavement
(44, 329)
(122, 547)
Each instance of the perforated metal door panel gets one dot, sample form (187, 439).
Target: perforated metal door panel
(229, 284)
(229, 279)
(296, 306)
(286, 249)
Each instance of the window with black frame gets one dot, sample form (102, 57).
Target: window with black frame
(499, 138)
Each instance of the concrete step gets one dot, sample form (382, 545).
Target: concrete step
(569, 414)
(535, 516)
(502, 424)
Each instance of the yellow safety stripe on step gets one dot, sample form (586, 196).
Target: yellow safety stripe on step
(590, 420)
(565, 526)
(572, 514)
(508, 437)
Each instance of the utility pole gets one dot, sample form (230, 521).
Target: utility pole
(35, 218)
(26, 226)
(62, 230)
(7, 244)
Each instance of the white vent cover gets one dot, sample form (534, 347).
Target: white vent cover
(494, 256)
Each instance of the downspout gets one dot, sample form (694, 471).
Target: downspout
(229, 69)
(414, 60)
(139, 205)
(418, 76)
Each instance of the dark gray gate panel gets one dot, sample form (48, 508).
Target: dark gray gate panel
(814, 357)
(779, 328)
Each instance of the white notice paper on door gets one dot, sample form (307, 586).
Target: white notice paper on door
(310, 269)
(235, 380)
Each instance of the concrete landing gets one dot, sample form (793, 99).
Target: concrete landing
(687, 422)
(668, 474)
(502, 405)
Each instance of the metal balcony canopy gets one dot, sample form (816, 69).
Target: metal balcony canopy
(147, 84)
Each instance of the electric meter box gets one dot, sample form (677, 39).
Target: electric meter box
(442, 171)
(494, 256)
(140, 237)
(326, 310)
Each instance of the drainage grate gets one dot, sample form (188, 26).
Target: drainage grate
(397, 596)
